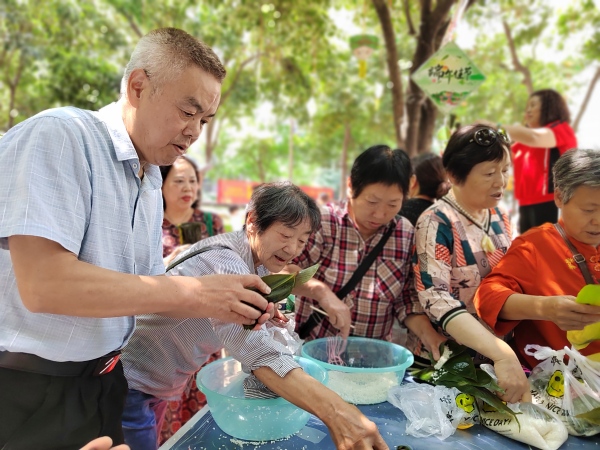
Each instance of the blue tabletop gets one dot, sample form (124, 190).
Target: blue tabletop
(202, 433)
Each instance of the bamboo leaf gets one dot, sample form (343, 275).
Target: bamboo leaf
(281, 285)
(592, 416)
(455, 368)
(306, 274)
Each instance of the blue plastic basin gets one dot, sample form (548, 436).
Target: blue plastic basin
(251, 419)
(367, 367)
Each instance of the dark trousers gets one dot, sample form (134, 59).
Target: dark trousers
(534, 215)
(44, 412)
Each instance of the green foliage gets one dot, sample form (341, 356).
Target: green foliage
(459, 371)
(286, 54)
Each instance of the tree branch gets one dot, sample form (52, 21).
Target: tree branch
(515, 59)
(389, 37)
(409, 22)
(237, 75)
(586, 99)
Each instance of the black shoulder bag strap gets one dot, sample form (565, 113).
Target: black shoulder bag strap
(192, 254)
(315, 318)
(577, 257)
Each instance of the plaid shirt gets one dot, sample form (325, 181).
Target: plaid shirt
(386, 291)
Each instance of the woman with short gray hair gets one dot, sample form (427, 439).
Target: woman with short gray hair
(532, 290)
(164, 352)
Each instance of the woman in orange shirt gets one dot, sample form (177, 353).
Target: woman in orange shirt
(532, 289)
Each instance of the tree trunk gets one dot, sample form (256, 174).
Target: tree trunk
(425, 137)
(586, 99)
(387, 28)
(420, 116)
(344, 161)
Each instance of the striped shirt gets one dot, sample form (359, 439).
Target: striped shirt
(386, 291)
(164, 352)
(449, 261)
(71, 176)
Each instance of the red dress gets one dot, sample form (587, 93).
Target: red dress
(178, 412)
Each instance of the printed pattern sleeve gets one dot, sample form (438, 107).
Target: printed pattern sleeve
(433, 268)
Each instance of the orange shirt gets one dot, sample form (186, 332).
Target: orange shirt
(537, 263)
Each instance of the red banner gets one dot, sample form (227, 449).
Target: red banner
(238, 192)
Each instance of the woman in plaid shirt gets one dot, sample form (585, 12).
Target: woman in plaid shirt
(377, 187)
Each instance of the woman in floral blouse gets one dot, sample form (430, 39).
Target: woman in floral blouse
(181, 199)
(459, 239)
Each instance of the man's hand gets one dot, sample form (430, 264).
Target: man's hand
(103, 443)
(228, 298)
(568, 315)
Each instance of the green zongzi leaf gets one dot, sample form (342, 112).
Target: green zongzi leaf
(592, 416)
(455, 368)
(281, 285)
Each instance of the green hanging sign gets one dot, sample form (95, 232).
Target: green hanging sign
(448, 77)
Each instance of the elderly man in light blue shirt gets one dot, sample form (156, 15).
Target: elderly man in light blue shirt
(80, 245)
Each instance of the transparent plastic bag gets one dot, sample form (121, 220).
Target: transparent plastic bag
(286, 336)
(536, 425)
(567, 389)
(423, 420)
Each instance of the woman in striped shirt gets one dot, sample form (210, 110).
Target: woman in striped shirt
(164, 352)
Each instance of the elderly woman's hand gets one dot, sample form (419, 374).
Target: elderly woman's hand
(567, 314)
(278, 318)
(512, 379)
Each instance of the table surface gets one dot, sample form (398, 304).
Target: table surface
(202, 433)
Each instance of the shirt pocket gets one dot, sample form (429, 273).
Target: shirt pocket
(390, 279)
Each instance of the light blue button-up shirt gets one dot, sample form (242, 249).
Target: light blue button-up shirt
(71, 176)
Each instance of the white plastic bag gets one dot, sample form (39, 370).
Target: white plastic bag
(429, 410)
(567, 389)
(536, 425)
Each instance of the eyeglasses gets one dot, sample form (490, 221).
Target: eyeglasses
(487, 136)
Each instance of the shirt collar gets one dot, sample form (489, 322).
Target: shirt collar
(112, 116)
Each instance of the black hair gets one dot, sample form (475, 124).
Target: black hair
(282, 202)
(164, 171)
(431, 175)
(552, 107)
(462, 152)
(380, 164)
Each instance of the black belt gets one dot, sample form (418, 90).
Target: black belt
(27, 362)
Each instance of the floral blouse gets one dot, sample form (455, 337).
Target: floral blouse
(211, 224)
(449, 261)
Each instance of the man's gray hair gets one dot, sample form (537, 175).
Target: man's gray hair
(576, 167)
(166, 52)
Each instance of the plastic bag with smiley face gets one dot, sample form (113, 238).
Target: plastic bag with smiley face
(567, 384)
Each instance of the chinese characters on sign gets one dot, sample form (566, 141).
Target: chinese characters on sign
(448, 77)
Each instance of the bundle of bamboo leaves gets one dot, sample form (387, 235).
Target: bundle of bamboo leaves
(455, 368)
(282, 284)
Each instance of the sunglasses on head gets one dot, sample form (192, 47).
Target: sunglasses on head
(487, 136)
